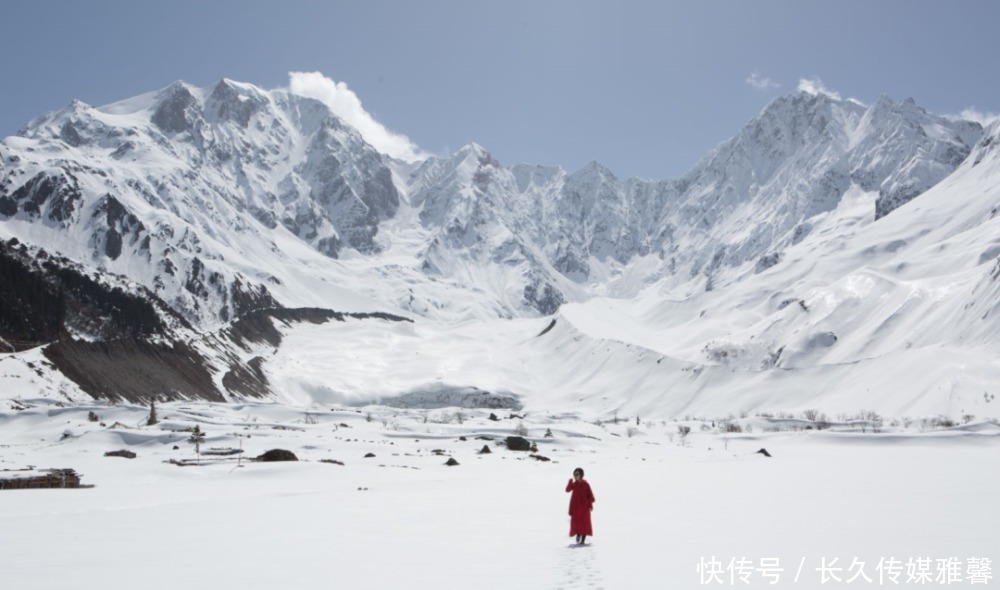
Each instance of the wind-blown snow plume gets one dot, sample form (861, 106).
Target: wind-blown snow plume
(346, 105)
(815, 86)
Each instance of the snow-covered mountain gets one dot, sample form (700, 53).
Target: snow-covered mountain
(747, 201)
(805, 244)
(173, 188)
(183, 190)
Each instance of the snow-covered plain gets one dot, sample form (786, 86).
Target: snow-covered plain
(403, 519)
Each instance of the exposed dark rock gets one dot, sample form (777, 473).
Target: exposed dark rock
(331, 461)
(122, 453)
(517, 443)
(61, 191)
(540, 457)
(369, 455)
(112, 244)
(764, 452)
(247, 380)
(485, 450)
(131, 369)
(70, 135)
(548, 328)
(451, 462)
(277, 455)
(178, 110)
(543, 297)
(233, 105)
(767, 261)
(257, 326)
(32, 310)
(494, 417)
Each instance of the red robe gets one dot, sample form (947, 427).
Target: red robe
(580, 505)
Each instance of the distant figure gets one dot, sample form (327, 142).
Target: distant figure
(581, 503)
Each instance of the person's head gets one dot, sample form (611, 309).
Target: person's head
(578, 473)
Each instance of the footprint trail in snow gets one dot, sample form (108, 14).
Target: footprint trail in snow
(581, 569)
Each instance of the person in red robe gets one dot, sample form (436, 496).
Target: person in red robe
(581, 503)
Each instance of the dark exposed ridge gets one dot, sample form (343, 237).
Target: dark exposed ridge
(32, 310)
(257, 326)
(44, 297)
(134, 370)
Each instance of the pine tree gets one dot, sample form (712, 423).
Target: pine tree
(197, 437)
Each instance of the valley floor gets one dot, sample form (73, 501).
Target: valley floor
(670, 510)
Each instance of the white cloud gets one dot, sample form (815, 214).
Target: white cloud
(345, 104)
(972, 114)
(761, 83)
(815, 86)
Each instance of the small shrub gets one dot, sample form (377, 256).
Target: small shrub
(683, 430)
(521, 429)
(811, 414)
(728, 426)
(631, 431)
(943, 422)
(93, 417)
(548, 433)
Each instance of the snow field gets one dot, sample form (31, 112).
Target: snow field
(404, 519)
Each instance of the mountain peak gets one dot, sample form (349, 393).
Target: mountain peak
(595, 169)
(472, 148)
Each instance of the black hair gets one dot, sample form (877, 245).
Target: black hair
(580, 469)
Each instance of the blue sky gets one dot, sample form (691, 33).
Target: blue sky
(646, 88)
